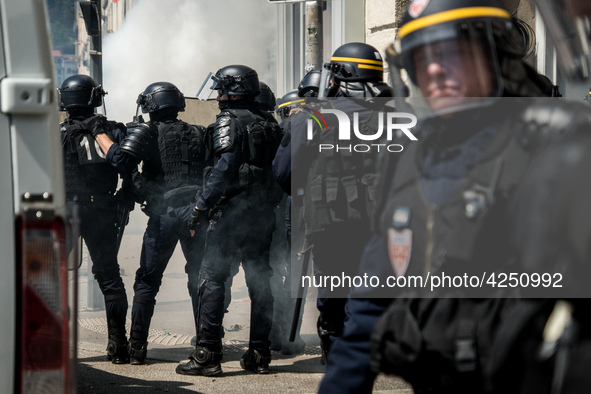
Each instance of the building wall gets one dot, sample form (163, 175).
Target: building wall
(114, 13)
(381, 21)
(82, 45)
(383, 16)
(65, 66)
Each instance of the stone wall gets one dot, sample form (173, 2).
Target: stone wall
(382, 17)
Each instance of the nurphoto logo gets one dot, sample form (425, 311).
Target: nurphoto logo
(389, 122)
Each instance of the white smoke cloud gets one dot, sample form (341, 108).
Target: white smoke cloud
(180, 41)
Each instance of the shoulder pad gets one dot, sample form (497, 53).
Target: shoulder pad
(223, 119)
(224, 134)
(139, 139)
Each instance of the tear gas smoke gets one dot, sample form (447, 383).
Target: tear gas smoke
(180, 41)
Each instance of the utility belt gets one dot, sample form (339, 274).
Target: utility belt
(181, 196)
(88, 198)
(175, 198)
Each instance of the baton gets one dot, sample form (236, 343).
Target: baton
(122, 222)
(306, 251)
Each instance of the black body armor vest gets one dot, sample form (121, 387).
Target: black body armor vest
(177, 158)
(87, 171)
(261, 138)
(340, 186)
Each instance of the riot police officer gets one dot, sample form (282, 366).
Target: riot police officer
(266, 98)
(336, 185)
(459, 66)
(310, 84)
(455, 183)
(174, 157)
(289, 102)
(287, 108)
(90, 184)
(238, 200)
(266, 102)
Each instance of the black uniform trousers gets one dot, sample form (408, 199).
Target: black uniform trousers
(165, 228)
(247, 227)
(97, 228)
(336, 258)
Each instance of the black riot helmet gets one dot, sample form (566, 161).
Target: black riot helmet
(266, 99)
(356, 70)
(80, 91)
(288, 102)
(237, 80)
(161, 95)
(461, 53)
(357, 62)
(310, 84)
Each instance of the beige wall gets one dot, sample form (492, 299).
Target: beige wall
(196, 112)
(199, 112)
(382, 17)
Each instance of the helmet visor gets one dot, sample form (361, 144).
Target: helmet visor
(450, 68)
(567, 22)
(207, 88)
(327, 81)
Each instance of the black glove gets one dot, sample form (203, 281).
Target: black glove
(97, 125)
(125, 199)
(196, 217)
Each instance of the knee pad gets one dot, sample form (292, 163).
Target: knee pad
(115, 297)
(144, 300)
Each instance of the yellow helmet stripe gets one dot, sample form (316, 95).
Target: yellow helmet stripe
(355, 60)
(291, 102)
(447, 16)
(371, 67)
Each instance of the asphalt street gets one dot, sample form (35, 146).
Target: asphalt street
(170, 339)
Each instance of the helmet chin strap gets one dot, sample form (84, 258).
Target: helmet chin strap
(365, 89)
(229, 104)
(80, 113)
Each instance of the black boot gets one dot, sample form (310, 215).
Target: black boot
(138, 350)
(256, 361)
(202, 362)
(324, 333)
(117, 350)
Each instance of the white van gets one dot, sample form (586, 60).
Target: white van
(37, 313)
